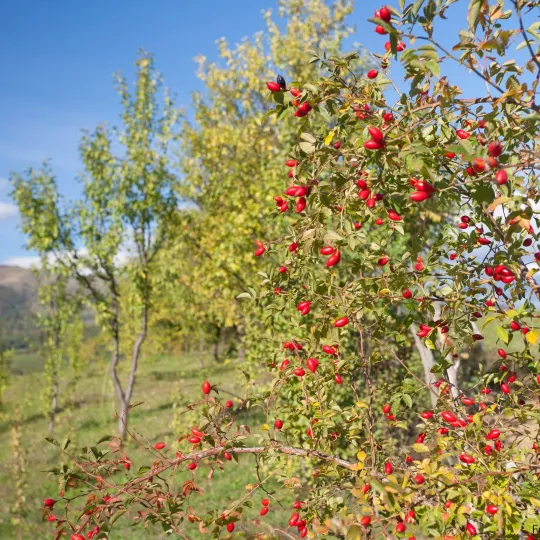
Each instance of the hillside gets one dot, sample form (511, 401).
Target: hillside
(18, 299)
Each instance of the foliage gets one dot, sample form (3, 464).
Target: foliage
(413, 216)
(230, 160)
(127, 205)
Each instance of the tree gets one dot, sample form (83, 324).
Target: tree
(231, 163)
(60, 321)
(372, 174)
(127, 206)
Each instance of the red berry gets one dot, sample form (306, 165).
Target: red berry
(373, 145)
(448, 416)
(365, 521)
(278, 424)
(192, 466)
(342, 321)
(265, 502)
(495, 149)
(206, 387)
(384, 14)
(419, 196)
(376, 134)
(230, 527)
(419, 479)
(492, 509)
(159, 445)
(372, 74)
(294, 519)
(471, 529)
(273, 86)
(49, 503)
(388, 468)
(466, 458)
(462, 134)
(264, 511)
(501, 177)
(228, 404)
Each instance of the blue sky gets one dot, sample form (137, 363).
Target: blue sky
(57, 64)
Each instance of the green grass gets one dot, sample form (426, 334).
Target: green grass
(89, 415)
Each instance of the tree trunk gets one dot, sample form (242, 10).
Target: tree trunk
(54, 400)
(54, 390)
(135, 355)
(217, 342)
(426, 356)
(120, 397)
(201, 348)
(240, 343)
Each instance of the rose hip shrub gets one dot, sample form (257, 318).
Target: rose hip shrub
(412, 207)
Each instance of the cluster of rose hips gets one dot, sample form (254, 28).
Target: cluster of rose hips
(383, 14)
(302, 109)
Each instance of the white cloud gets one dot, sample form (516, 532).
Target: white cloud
(7, 210)
(24, 261)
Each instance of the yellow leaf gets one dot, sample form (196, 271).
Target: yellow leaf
(535, 502)
(385, 291)
(361, 455)
(418, 447)
(329, 137)
(511, 313)
(497, 202)
(265, 427)
(532, 336)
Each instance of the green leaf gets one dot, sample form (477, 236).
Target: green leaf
(502, 334)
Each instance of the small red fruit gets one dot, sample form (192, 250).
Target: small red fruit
(230, 527)
(419, 479)
(365, 521)
(278, 424)
(49, 503)
(206, 385)
(273, 86)
(376, 134)
(388, 468)
(384, 14)
(373, 145)
(264, 511)
(372, 74)
(495, 148)
(462, 134)
(419, 196)
(341, 322)
(471, 529)
(492, 509)
(159, 445)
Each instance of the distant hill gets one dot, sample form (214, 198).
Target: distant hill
(18, 301)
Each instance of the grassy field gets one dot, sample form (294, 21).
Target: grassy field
(89, 416)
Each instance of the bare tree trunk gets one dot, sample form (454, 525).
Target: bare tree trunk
(54, 400)
(54, 392)
(426, 356)
(217, 343)
(240, 343)
(201, 348)
(135, 355)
